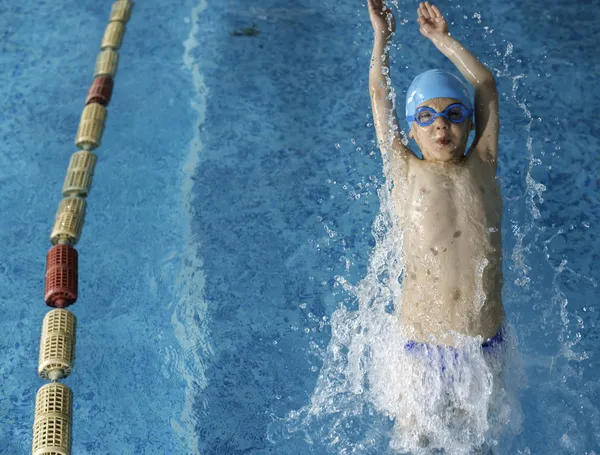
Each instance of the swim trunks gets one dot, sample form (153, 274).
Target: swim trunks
(488, 346)
(449, 355)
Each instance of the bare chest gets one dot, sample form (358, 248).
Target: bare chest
(450, 205)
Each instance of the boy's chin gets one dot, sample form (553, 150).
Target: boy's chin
(444, 154)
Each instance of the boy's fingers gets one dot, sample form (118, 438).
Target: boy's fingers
(425, 12)
(377, 5)
(430, 10)
(437, 11)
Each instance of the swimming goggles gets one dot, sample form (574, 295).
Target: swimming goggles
(425, 115)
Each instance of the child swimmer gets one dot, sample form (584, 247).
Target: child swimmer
(448, 203)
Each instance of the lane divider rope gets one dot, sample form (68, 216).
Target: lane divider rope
(53, 420)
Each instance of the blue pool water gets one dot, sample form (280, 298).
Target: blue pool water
(230, 259)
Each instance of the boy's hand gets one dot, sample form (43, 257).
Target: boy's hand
(431, 20)
(382, 19)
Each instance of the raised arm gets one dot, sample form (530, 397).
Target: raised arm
(434, 27)
(380, 85)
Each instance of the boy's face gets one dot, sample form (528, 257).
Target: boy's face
(443, 140)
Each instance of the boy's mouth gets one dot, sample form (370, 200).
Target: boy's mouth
(443, 141)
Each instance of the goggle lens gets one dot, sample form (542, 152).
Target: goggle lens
(456, 114)
(424, 117)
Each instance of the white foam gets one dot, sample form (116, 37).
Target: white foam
(191, 307)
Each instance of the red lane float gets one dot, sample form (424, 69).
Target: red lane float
(60, 290)
(100, 91)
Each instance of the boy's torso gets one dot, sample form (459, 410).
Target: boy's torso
(451, 215)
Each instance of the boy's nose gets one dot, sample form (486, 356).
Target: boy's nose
(441, 122)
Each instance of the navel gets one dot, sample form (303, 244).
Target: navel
(457, 234)
(456, 294)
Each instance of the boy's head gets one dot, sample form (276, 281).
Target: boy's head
(439, 114)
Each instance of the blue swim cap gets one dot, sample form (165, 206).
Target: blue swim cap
(435, 84)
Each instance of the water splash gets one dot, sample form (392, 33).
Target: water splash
(374, 395)
(559, 326)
